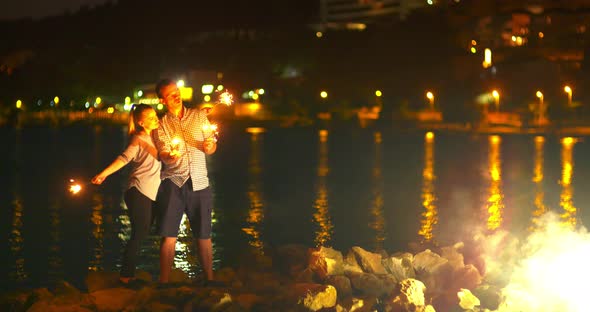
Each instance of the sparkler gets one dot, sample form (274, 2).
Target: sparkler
(75, 187)
(210, 131)
(174, 145)
(225, 98)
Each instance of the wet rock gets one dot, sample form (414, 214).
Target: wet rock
(369, 262)
(325, 261)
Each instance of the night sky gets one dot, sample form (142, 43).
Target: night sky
(14, 9)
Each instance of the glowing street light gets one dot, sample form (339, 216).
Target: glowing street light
(324, 94)
(19, 104)
(496, 96)
(378, 93)
(430, 97)
(56, 100)
(569, 92)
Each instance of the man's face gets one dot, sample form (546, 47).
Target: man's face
(171, 96)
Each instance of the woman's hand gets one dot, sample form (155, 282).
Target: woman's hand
(98, 179)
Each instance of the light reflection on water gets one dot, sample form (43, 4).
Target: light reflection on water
(538, 177)
(97, 244)
(377, 221)
(255, 215)
(321, 215)
(569, 214)
(430, 214)
(495, 202)
(380, 196)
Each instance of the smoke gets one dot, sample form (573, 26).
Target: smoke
(545, 272)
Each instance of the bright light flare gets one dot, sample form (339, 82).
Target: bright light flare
(553, 272)
(225, 98)
(75, 187)
(210, 131)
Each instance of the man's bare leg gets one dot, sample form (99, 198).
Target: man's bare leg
(205, 252)
(167, 250)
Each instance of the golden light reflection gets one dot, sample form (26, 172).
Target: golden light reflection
(256, 211)
(55, 271)
(430, 214)
(538, 177)
(16, 241)
(97, 251)
(495, 201)
(569, 214)
(377, 222)
(184, 259)
(321, 216)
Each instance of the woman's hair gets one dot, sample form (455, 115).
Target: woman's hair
(135, 116)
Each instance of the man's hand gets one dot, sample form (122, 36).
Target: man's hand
(209, 146)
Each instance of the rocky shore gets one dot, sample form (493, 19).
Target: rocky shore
(290, 278)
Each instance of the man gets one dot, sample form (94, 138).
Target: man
(183, 142)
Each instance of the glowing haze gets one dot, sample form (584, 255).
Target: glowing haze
(544, 273)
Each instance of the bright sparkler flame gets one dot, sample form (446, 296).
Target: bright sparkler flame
(225, 98)
(210, 130)
(75, 188)
(175, 142)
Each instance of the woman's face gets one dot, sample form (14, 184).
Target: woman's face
(149, 119)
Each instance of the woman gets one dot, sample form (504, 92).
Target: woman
(144, 181)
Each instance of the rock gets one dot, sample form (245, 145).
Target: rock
(489, 296)
(467, 300)
(400, 266)
(411, 297)
(453, 255)
(428, 261)
(292, 258)
(247, 301)
(325, 261)
(16, 301)
(215, 301)
(368, 284)
(369, 262)
(314, 296)
(101, 280)
(305, 276)
(351, 265)
(179, 276)
(113, 299)
(341, 283)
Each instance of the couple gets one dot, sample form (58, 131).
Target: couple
(180, 180)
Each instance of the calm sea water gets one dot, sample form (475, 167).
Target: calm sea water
(340, 187)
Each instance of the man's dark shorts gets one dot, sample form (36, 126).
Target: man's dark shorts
(173, 202)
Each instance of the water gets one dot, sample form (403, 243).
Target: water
(341, 187)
